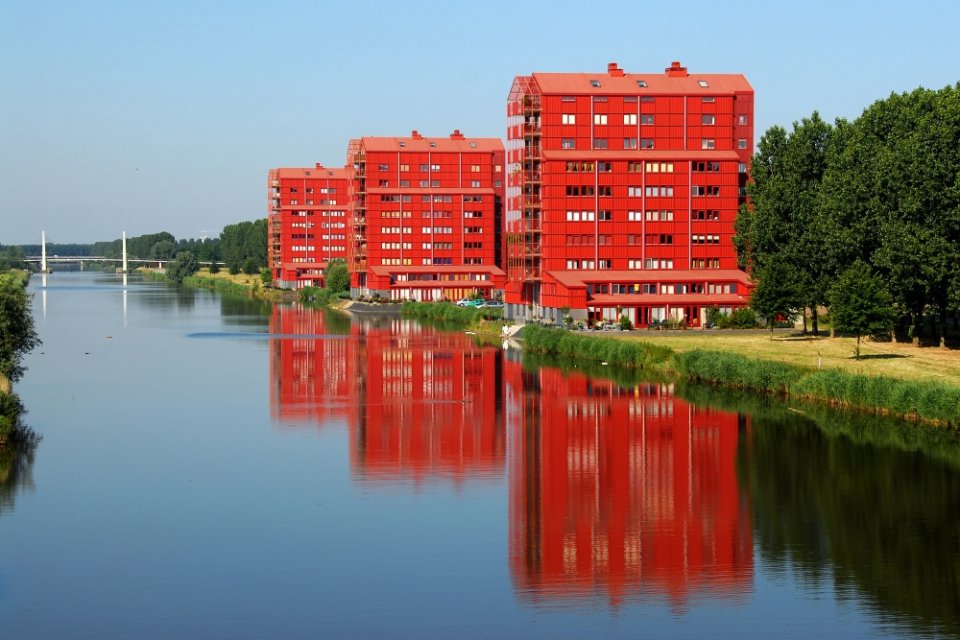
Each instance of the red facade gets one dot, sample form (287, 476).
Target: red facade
(622, 193)
(426, 217)
(307, 223)
(629, 493)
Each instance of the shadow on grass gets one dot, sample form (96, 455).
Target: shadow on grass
(881, 356)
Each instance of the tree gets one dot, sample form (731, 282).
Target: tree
(250, 267)
(266, 277)
(777, 293)
(214, 268)
(781, 222)
(163, 250)
(336, 276)
(17, 334)
(183, 266)
(861, 304)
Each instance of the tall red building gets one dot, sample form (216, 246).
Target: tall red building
(627, 493)
(426, 216)
(622, 193)
(306, 223)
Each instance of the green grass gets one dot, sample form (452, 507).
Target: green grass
(448, 312)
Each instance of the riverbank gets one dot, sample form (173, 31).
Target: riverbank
(928, 400)
(240, 284)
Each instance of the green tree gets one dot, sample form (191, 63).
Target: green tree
(777, 293)
(183, 266)
(781, 222)
(17, 334)
(860, 303)
(250, 266)
(214, 267)
(266, 277)
(163, 250)
(336, 277)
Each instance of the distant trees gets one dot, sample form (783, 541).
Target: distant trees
(183, 266)
(883, 189)
(243, 242)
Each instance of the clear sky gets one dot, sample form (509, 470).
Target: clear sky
(165, 115)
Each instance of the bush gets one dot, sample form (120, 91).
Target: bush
(266, 277)
(743, 318)
(624, 353)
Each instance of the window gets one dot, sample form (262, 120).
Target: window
(603, 264)
(568, 143)
(599, 143)
(708, 119)
(742, 119)
(634, 192)
(599, 118)
(595, 83)
(659, 191)
(568, 99)
(659, 167)
(708, 99)
(435, 167)
(742, 167)
(708, 143)
(629, 143)
(404, 167)
(474, 184)
(634, 167)
(604, 167)
(384, 167)
(629, 118)
(634, 216)
(475, 168)
(646, 143)
(604, 215)
(703, 83)
(646, 118)
(573, 216)
(642, 84)
(742, 143)
(569, 118)
(404, 183)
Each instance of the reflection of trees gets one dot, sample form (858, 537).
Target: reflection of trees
(16, 466)
(881, 519)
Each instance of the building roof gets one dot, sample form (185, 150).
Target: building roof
(675, 80)
(415, 142)
(579, 279)
(313, 173)
(638, 154)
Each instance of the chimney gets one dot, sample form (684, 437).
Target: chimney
(614, 71)
(676, 71)
(456, 135)
(319, 166)
(416, 135)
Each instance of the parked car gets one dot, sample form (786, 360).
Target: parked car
(492, 304)
(470, 302)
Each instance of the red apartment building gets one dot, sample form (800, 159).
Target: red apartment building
(426, 217)
(622, 193)
(631, 493)
(306, 223)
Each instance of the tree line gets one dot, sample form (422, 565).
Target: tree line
(240, 247)
(861, 218)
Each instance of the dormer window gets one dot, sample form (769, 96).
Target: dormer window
(642, 84)
(703, 83)
(595, 83)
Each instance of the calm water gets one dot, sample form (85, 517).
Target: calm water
(217, 468)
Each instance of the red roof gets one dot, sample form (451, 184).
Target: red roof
(457, 144)
(579, 279)
(616, 82)
(638, 154)
(300, 173)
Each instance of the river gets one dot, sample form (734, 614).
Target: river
(215, 467)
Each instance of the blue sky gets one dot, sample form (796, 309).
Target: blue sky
(166, 115)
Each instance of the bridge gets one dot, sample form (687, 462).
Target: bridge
(44, 260)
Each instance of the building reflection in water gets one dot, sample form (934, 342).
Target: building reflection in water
(313, 367)
(431, 406)
(622, 494)
(619, 494)
(420, 404)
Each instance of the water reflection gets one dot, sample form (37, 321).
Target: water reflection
(859, 512)
(622, 493)
(431, 405)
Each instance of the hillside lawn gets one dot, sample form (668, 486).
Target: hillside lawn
(900, 360)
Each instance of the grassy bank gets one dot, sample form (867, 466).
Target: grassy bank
(927, 400)
(481, 320)
(224, 282)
